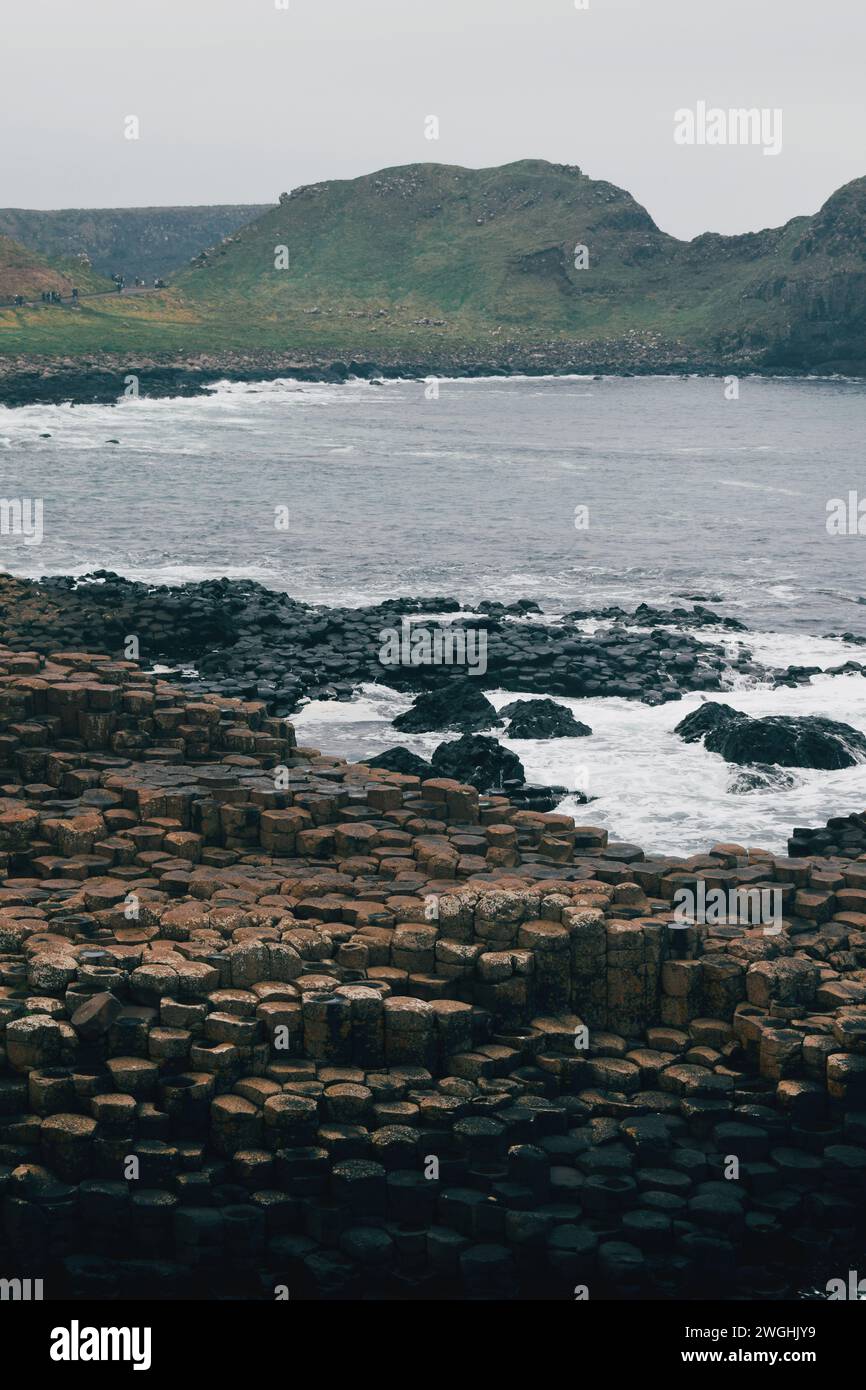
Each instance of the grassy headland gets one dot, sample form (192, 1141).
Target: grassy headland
(440, 267)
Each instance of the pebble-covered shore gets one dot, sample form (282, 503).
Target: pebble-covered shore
(278, 1025)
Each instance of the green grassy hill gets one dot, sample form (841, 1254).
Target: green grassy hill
(478, 249)
(146, 242)
(435, 263)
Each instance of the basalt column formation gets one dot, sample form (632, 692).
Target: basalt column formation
(275, 1025)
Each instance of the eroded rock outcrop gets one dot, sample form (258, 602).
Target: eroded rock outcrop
(455, 704)
(480, 760)
(782, 739)
(542, 719)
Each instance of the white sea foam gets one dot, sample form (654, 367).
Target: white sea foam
(651, 787)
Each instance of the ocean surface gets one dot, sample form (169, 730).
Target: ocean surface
(472, 494)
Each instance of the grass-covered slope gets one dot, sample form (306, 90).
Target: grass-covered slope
(475, 251)
(430, 262)
(25, 272)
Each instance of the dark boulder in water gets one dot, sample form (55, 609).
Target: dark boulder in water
(456, 704)
(780, 739)
(517, 609)
(401, 760)
(788, 741)
(542, 719)
(704, 719)
(532, 797)
(479, 760)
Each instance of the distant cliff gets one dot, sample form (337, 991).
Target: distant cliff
(145, 242)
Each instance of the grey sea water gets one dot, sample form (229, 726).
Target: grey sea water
(473, 494)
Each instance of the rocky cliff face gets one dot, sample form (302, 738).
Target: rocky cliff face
(815, 289)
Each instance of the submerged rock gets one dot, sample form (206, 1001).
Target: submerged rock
(456, 704)
(479, 760)
(542, 719)
(761, 779)
(781, 739)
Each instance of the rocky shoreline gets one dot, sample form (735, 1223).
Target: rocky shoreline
(240, 640)
(244, 639)
(311, 1029)
(98, 378)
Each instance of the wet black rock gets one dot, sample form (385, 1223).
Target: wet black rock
(646, 615)
(532, 797)
(848, 668)
(517, 609)
(479, 760)
(796, 675)
(780, 739)
(703, 720)
(456, 704)
(428, 603)
(844, 835)
(401, 760)
(240, 639)
(542, 719)
(805, 741)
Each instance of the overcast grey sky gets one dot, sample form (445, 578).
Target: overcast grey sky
(238, 99)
